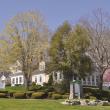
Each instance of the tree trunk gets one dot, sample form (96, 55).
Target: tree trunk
(101, 82)
(26, 82)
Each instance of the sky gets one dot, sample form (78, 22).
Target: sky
(55, 12)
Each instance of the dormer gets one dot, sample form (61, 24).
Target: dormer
(42, 66)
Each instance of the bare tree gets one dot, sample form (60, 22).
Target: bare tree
(99, 31)
(27, 37)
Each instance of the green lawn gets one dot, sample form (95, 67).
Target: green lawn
(13, 104)
(15, 89)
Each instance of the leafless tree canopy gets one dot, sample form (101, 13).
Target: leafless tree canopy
(98, 27)
(26, 39)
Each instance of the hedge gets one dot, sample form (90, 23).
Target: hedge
(65, 96)
(99, 94)
(38, 95)
(3, 95)
(50, 94)
(56, 96)
(3, 91)
(29, 94)
(19, 95)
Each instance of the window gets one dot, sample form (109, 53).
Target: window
(93, 78)
(13, 80)
(36, 79)
(88, 78)
(89, 83)
(20, 79)
(40, 80)
(93, 81)
(79, 78)
(42, 66)
(74, 77)
(97, 78)
(55, 76)
(84, 79)
(16, 80)
(60, 75)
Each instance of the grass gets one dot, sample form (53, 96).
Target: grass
(31, 104)
(18, 104)
(14, 89)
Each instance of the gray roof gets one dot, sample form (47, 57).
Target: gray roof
(33, 73)
(16, 74)
(38, 72)
(6, 74)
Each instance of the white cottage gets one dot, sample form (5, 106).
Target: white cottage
(38, 76)
(17, 78)
(90, 80)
